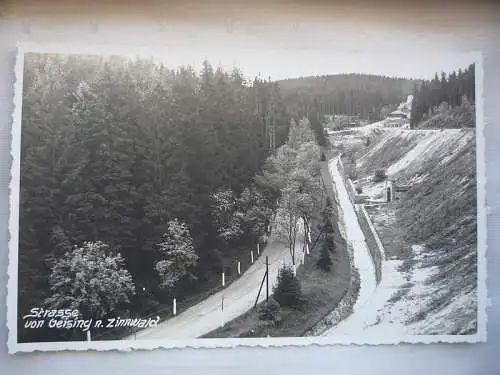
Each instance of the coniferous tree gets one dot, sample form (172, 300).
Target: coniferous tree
(115, 149)
(288, 291)
(446, 92)
(325, 261)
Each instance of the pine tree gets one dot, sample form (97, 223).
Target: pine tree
(288, 291)
(325, 261)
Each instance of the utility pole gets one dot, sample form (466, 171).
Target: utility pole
(267, 278)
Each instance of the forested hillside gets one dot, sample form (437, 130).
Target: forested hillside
(452, 95)
(140, 161)
(349, 94)
(140, 183)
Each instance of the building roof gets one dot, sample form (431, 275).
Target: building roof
(397, 113)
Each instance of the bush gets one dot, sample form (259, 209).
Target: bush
(270, 310)
(327, 226)
(443, 107)
(330, 243)
(359, 190)
(379, 175)
(325, 261)
(288, 291)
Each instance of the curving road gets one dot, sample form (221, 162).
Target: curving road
(238, 298)
(362, 260)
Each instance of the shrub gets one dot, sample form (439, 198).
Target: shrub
(443, 107)
(330, 243)
(288, 291)
(325, 261)
(359, 190)
(327, 227)
(270, 310)
(379, 175)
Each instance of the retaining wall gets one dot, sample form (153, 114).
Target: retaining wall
(372, 239)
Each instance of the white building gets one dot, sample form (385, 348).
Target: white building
(396, 119)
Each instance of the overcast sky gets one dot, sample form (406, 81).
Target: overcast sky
(316, 49)
(284, 63)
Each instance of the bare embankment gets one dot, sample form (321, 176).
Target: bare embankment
(429, 232)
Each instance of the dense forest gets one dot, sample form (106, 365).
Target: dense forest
(443, 93)
(148, 182)
(348, 94)
(117, 153)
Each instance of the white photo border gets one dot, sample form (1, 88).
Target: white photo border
(127, 345)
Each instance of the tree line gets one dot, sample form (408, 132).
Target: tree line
(442, 92)
(361, 95)
(140, 183)
(131, 160)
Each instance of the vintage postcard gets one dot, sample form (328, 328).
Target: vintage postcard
(212, 198)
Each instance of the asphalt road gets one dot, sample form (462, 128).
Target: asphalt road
(227, 304)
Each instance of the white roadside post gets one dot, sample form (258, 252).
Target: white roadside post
(223, 279)
(258, 248)
(251, 256)
(307, 248)
(89, 338)
(174, 306)
(239, 268)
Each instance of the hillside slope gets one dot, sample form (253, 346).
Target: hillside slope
(429, 279)
(351, 94)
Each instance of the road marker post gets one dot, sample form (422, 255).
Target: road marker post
(258, 248)
(251, 255)
(174, 306)
(239, 268)
(223, 279)
(89, 338)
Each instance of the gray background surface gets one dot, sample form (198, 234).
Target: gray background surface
(481, 359)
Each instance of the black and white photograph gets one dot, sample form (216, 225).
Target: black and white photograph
(245, 194)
